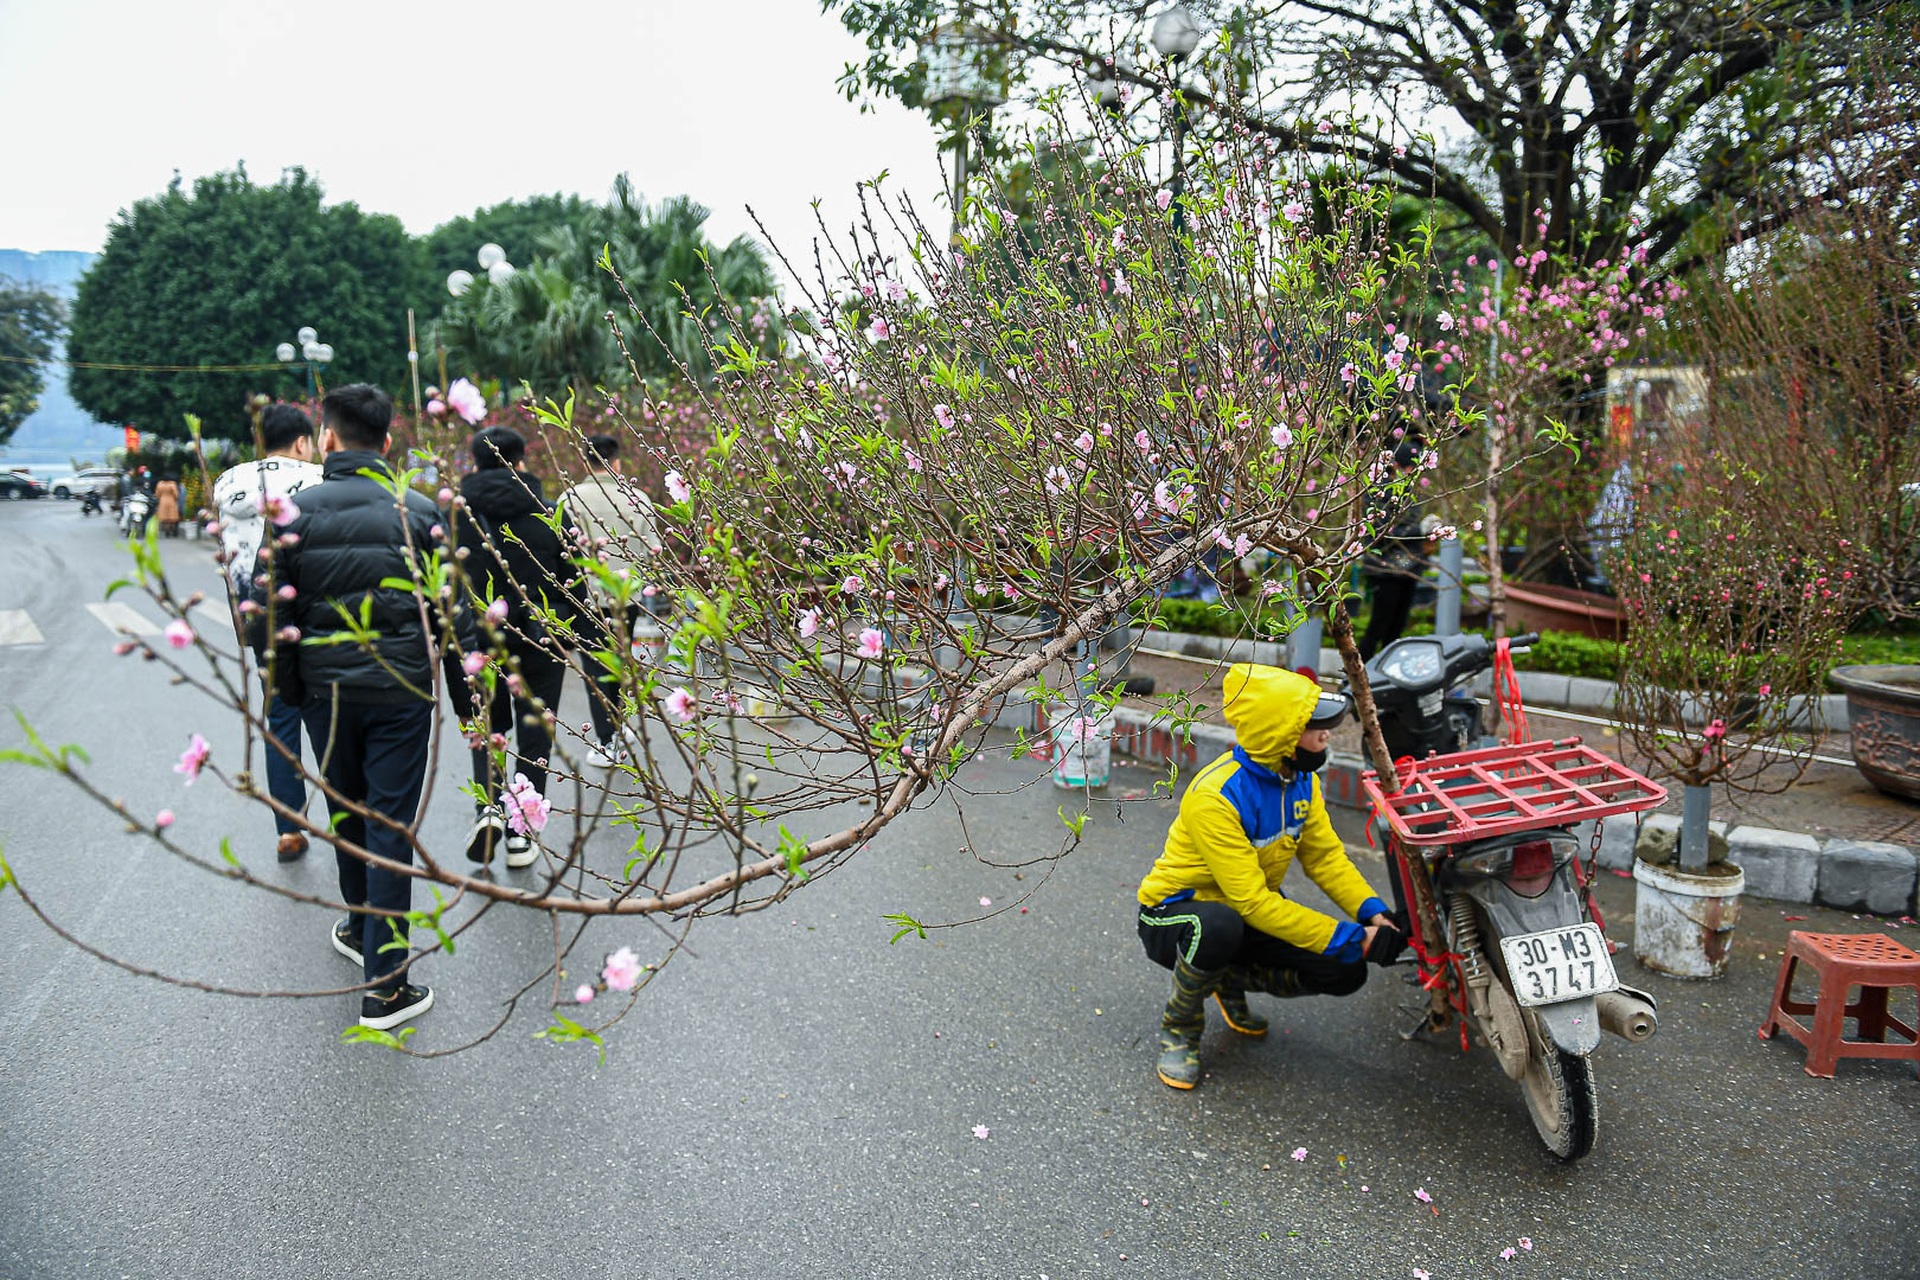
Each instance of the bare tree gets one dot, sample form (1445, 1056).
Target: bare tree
(1592, 113)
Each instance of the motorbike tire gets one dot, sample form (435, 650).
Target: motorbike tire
(1561, 1096)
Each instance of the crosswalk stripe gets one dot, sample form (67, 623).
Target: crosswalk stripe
(119, 618)
(213, 614)
(17, 628)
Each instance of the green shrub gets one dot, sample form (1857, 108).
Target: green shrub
(1869, 649)
(1566, 653)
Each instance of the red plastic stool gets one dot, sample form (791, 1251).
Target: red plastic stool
(1872, 961)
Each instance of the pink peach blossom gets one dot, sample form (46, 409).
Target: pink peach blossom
(194, 758)
(622, 970)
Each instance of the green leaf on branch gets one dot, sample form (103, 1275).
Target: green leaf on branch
(371, 1035)
(566, 1031)
(794, 850)
(906, 924)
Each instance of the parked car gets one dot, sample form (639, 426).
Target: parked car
(15, 485)
(104, 481)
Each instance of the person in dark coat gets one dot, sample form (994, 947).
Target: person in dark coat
(351, 648)
(1394, 562)
(517, 559)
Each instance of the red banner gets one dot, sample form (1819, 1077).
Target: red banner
(133, 438)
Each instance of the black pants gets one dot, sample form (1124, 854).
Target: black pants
(603, 689)
(375, 754)
(542, 676)
(1211, 935)
(1392, 602)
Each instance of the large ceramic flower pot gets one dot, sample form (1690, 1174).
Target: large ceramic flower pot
(1535, 606)
(1883, 715)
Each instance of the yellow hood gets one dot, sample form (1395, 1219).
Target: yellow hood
(1268, 708)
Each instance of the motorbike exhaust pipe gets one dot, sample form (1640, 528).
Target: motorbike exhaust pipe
(1627, 1014)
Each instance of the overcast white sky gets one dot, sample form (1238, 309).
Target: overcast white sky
(428, 109)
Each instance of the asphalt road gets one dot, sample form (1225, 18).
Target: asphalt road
(800, 1098)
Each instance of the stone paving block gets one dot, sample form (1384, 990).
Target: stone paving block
(1544, 688)
(1867, 875)
(1616, 842)
(1587, 694)
(1784, 865)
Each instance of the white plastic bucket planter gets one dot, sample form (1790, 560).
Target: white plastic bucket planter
(1081, 746)
(1683, 921)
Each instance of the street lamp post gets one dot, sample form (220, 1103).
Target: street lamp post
(1175, 35)
(957, 83)
(492, 259)
(311, 353)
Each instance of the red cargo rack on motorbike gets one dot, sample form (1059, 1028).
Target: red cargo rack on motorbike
(1472, 795)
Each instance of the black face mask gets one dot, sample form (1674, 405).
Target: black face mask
(1309, 761)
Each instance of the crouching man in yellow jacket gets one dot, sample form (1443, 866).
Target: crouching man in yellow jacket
(1211, 908)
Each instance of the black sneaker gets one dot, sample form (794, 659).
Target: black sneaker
(346, 939)
(384, 1011)
(520, 850)
(488, 829)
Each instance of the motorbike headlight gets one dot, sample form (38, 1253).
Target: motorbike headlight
(1412, 663)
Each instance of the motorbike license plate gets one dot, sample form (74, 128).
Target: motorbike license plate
(1553, 965)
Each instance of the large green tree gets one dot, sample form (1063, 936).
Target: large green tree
(1596, 113)
(546, 324)
(197, 289)
(30, 323)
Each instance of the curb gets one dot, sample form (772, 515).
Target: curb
(1785, 866)
(1540, 688)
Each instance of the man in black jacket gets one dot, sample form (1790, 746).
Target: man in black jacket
(356, 654)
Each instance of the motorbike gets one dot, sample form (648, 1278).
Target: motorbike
(1481, 849)
(136, 513)
(90, 503)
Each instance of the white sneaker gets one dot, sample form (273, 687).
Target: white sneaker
(614, 754)
(520, 850)
(488, 829)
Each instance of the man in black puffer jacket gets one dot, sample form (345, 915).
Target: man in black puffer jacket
(366, 686)
(515, 561)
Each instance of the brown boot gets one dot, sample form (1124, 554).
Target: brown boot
(292, 847)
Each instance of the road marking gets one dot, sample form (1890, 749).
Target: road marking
(213, 613)
(17, 628)
(119, 618)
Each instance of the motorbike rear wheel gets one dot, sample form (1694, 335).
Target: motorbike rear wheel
(1561, 1095)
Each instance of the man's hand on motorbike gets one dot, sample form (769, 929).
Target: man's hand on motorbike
(1384, 944)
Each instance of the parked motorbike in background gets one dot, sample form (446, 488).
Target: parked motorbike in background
(1479, 842)
(136, 513)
